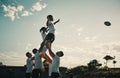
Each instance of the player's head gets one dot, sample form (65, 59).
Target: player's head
(60, 53)
(50, 17)
(28, 54)
(44, 29)
(34, 51)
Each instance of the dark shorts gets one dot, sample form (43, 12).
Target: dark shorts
(55, 75)
(36, 73)
(28, 75)
(50, 37)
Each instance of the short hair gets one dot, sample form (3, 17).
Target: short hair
(49, 16)
(62, 54)
(34, 50)
(27, 53)
(43, 29)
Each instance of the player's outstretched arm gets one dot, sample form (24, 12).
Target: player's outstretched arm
(56, 21)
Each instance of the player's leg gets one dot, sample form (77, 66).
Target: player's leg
(45, 56)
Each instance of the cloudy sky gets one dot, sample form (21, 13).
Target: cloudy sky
(81, 32)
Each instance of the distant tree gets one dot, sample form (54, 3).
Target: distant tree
(107, 58)
(73, 72)
(93, 65)
(114, 62)
(1, 63)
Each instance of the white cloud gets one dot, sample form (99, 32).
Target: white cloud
(79, 34)
(12, 58)
(44, 5)
(26, 13)
(76, 55)
(28, 46)
(12, 11)
(90, 38)
(38, 6)
(15, 12)
(20, 8)
(9, 12)
(80, 29)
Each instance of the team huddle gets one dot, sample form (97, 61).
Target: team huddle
(34, 63)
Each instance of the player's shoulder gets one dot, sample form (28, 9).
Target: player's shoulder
(50, 22)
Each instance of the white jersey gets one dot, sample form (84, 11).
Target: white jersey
(29, 65)
(51, 27)
(38, 61)
(43, 35)
(55, 64)
(50, 69)
(44, 49)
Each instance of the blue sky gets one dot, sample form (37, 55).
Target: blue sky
(81, 33)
